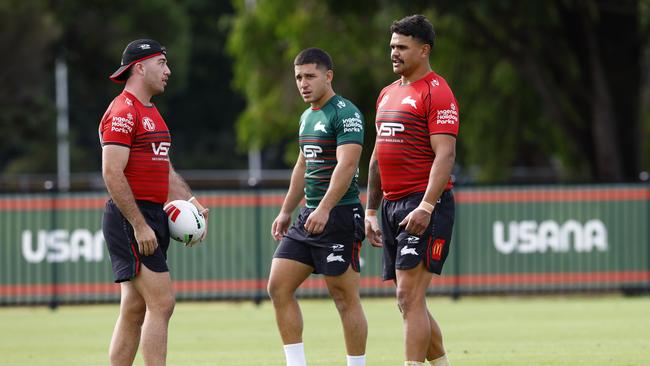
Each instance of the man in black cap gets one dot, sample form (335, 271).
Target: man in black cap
(140, 179)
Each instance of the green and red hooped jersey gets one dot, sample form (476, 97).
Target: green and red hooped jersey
(322, 130)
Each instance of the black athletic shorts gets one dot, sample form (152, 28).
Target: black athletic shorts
(405, 251)
(332, 251)
(122, 246)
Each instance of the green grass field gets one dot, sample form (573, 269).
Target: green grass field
(592, 331)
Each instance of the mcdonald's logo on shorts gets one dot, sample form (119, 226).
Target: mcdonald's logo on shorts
(436, 249)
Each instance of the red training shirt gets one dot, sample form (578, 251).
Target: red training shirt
(406, 117)
(127, 122)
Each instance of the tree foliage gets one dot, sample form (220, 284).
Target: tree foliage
(264, 42)
(198, 105)
(560, 85)
(551, 84)
(94, 36)
(28, 30)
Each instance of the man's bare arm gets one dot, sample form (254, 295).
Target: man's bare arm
(444, 148)
(114, 160)
(295, 194)
(180, 190)
(374, 183)
(373, 231)
(347, 162)
(296, 186)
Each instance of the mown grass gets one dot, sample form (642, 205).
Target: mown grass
(604, 330)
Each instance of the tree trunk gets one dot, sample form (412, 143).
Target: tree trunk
(603, 117)
(620, 44)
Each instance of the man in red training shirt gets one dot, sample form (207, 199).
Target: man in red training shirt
(416, 123)
(140, 179)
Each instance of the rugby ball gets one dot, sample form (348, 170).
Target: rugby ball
(186, 224)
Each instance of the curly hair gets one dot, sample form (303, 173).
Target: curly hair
(416, 26)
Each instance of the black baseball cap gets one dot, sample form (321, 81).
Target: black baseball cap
(136, 51)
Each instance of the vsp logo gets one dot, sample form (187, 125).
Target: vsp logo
(63, 246)
(389, 128)
(162, 149)
(530, 237)
(311, 151)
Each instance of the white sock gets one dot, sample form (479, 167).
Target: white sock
(295, 354)
(440, 361)
(356, 360)
(413, 363)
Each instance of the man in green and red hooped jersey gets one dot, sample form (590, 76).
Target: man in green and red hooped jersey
(140, 179)
(417, 124)
(326, 237)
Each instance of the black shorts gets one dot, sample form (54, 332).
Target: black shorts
(332, 251)
(122, 246)
(405, 251)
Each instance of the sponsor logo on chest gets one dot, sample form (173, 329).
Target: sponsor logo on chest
(390, 128)
(161, 149)
(148, 124)
(311, 151)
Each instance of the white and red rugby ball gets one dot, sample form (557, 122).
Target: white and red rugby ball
(186, 224)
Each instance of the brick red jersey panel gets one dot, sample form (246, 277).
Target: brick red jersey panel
(407, 115)
(129, 123)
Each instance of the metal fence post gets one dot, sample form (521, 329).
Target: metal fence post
(647, 239)
(259, 295)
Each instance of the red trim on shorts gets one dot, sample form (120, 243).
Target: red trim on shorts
(137, 259)
(356, 252)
